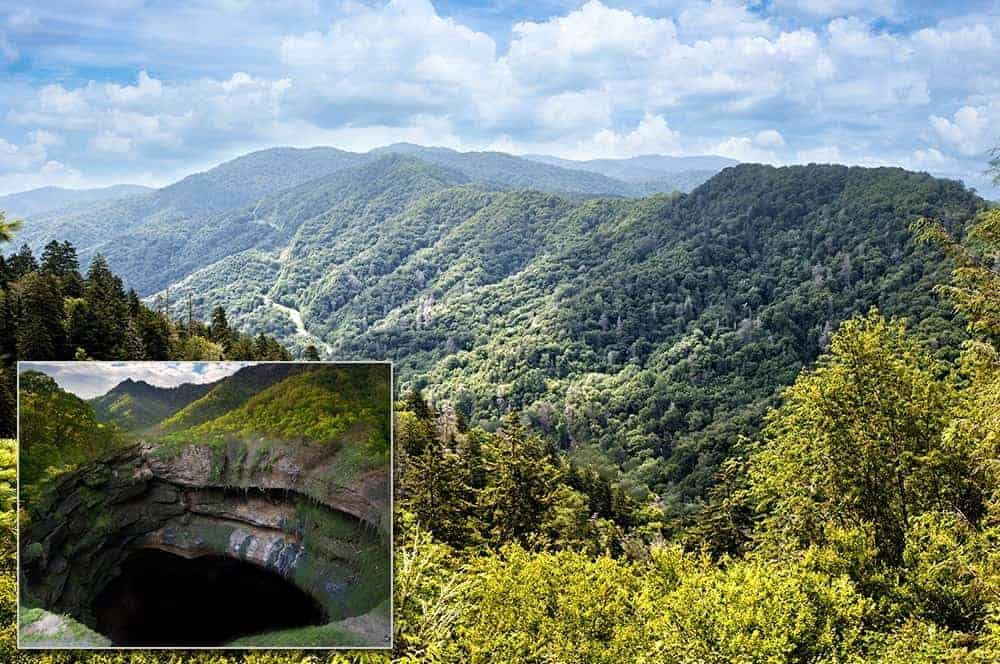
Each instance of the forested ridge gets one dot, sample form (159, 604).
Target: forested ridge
(643, 335)
(849, 517)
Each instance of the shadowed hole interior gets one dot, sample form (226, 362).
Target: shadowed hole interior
(162, 599)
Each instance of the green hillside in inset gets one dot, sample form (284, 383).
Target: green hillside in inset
(227, 394)
(314, 404)
(134, 405)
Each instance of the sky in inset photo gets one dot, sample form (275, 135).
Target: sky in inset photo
(87, 381)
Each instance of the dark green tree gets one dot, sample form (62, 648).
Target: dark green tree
(21, 263)
(219, 330)
(521, 482)
(41, 334)
(103, 329)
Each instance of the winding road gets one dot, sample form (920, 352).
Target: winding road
(300, 326)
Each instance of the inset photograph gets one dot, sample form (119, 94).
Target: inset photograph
(204, 504)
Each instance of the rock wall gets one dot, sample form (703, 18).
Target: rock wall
(294, 509)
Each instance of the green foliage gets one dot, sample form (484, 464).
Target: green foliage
(974, 289)
(319, 406)
(654, 331)
(475, 488)
(58, 431)
(136, 405)
(860, 525)
(859, 439)
(7, 228)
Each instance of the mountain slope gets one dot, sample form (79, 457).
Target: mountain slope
(641, 168)
(643, 334)
(226, 395)
(156, 255)
(134, 405)
(316, 403)
(252, 202)
(233, 184)
(507, 171)
(45, 199)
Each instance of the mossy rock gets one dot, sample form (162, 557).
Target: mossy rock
(42, 629)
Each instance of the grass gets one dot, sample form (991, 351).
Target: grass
(71, 633)
(331, 634)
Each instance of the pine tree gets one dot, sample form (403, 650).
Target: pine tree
(40, 331)
(21, 263)
(219, 330)
(59, 259)
(155, 331)
(103, 330)
(439, 494)
(416, 404)
(521, 483)
(310, 354)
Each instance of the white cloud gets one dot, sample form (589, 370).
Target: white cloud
(769, 138)
(587, 47)
(147, 89)
(152, 117)
(824, 154)
(721, 17)
(20, 157)
(651, 136)
(23, 20)
(45, 138)
(403, 54)
(931, 159)
(51, 173)
(592, 81)
(761, 147)
(971, 130)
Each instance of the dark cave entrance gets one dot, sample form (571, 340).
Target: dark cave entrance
(162, 599)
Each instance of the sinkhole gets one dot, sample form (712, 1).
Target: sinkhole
(163, 599)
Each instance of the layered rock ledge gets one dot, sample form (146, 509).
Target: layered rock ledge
(300, 511)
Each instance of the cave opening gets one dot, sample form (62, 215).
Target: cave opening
(162, 599)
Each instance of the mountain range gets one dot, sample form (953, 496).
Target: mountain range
(641, 333)
(46, 199)
(135, 404)
(243, 182)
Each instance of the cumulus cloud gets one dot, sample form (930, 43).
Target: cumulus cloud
(754, 149)
(150, 116)
(824, 154)
(651, 136)
(971, 130)
(757, 83)
(402, 55)
(91, 379)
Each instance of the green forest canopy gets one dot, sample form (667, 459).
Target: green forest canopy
(509, 550)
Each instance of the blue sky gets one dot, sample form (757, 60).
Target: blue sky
(91, 379)
(98, 92)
